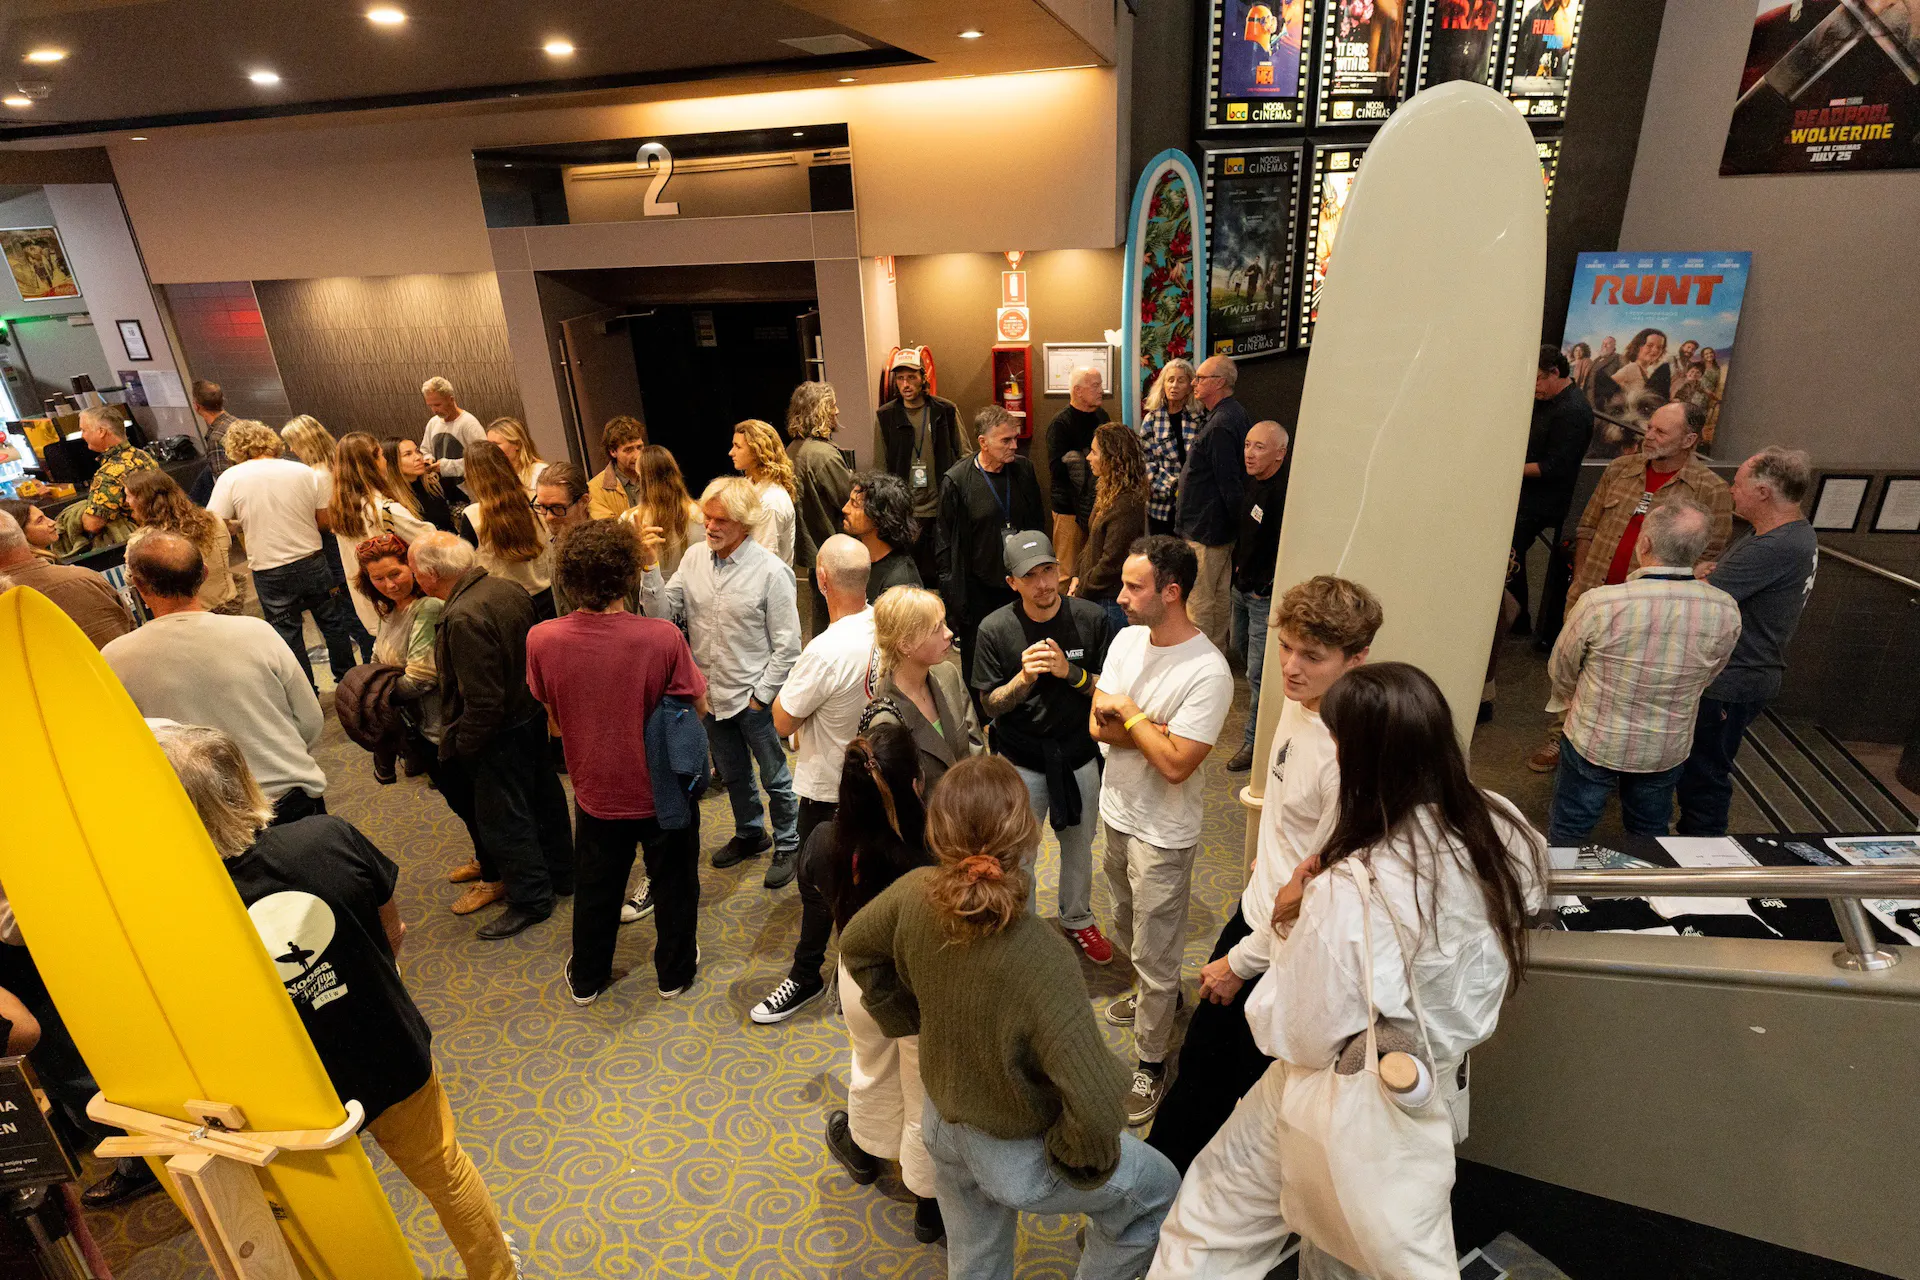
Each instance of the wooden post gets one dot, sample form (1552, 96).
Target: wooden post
(231, 1216)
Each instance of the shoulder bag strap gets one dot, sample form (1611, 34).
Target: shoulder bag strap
(1364, 879)
(1413, 987)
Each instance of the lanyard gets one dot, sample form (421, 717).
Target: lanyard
(1006, 503)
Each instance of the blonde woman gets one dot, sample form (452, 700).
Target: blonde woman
(514, 441)
(310, 442)
(757, 455)
(367, 501)
(1169, 424)
(666, 506)
(917, 689)
(156, 501)
(499, 522)
(822, 480)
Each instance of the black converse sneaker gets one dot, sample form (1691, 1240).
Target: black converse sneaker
(784, 1001)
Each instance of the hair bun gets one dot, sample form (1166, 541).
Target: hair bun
(982, 866)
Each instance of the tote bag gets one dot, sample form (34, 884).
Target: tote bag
(1365, 1179)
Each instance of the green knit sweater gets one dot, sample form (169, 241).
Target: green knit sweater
(1008, 1044)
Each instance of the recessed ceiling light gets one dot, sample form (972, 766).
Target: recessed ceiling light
(386, 16)
(17, 101)
(264, 77)
(138, 137)
(846, 79)
(47, 55)
(558, 48)
(507, 165)
(971, 35)
(799, 133)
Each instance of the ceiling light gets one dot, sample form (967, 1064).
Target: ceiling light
(846, 79)
(386, 16)
(799, 133)
(138, 137)
(264, 77)
(558, 48)
(15, 100)
(971, 35)
(47, 55)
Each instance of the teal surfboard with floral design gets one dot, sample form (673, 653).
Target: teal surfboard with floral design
(1166, 263)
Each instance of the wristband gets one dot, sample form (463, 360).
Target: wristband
(1079, 676)
(1133, 720)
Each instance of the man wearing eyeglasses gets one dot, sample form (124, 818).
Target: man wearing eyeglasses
(1210, 490)
(561, 500)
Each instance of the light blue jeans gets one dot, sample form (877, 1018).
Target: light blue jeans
(985, 1183)
(739, 743)
(1076, 842)
(1250, 642)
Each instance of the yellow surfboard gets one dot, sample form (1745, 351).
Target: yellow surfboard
(145, 947)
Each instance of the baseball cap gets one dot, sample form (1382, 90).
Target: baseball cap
(1027, 551)
(907, 358)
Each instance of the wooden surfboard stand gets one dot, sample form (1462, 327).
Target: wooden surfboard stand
(225, 1202)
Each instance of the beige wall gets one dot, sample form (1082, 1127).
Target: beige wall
(986, 163)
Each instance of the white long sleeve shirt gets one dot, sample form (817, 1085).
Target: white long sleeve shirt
(1303, 788)
(777, 522)
(741, 620)
(447, 442)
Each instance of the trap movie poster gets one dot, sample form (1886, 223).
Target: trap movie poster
(1362, 60)
(1332, 185)
(1461, 41)
(1646, 328)
(1541, 42)
(1548, 149)
(1829, 86)
(1258, 63)
(1251, 199)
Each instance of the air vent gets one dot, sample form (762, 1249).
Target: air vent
(821, 46)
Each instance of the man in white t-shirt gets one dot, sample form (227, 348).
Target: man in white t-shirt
(1325, 627)
(279, 507)
(1163, 695)
(822, 701)
(451, 431)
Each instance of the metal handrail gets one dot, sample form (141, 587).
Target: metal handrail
(1843, 887)
(1869, 566)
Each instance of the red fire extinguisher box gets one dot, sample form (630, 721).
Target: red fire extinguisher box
(1013, 383)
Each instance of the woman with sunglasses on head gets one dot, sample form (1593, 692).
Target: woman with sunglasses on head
(419, 484)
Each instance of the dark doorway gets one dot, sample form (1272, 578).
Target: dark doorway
(703, 367)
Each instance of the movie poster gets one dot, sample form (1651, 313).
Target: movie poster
(1829, 86)
(1258, 64)
(1252, 197)
(1539, 65)
(1548, 150)
(1461, 41)
(1646, 328)
(1331, 186)
(1362, 60)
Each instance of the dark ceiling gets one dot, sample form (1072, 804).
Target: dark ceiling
(135, 64)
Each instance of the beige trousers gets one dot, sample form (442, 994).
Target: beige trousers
(1151, 888)
(1211, 605)
(884, 1097)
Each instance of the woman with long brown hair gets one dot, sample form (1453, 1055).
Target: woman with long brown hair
(1454, 873)
(156, 501)
(757, 455)
(665, 505)
(1024, 1106)
(1119, 466)
(417, 483)
(366, 501)
(500, 523)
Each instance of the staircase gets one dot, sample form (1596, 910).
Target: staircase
(1797, 776)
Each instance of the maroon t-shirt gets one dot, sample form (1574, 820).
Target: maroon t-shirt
(601, 675)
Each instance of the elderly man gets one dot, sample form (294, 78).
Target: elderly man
(496, 730)
(1069, 483)
(1630, 666)
(736, 600)
(917, 436)
(82, 594)
(228, 671)
(103, 518)
(1770, 574)
(451, 431)
(1605, 545)
(617, 487)
(1255, 551)
(1210, 489)
(983, 499)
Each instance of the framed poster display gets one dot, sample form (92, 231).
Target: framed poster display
(39, 263)
(134, 339)
(1329, 187)
(1548, 150)
(1363, 64)
(1537, 73)
(1252, 198)
(1837, 502)
(1899, 510)
(1258, 63)
(1460, 40)
(1062, 358)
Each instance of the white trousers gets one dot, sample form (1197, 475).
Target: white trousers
(884, 1097)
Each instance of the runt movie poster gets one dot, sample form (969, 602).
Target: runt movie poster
(1829, 86)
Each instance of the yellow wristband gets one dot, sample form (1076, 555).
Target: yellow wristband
(1133, 720)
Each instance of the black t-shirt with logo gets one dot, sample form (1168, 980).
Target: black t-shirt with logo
(1054, 709)
(314, 889)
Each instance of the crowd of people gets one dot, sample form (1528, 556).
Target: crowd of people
(495, 621)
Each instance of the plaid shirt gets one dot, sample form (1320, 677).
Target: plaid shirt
(1615, 499)
(1165, 455)
(1632, 662)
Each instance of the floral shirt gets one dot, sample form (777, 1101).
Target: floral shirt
(1166, 455)
(107, 495)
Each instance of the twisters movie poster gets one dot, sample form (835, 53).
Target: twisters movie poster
(1828, 86)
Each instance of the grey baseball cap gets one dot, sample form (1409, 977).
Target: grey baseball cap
(1027, 551)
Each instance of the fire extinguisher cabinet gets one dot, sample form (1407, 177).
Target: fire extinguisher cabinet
(1013, 383)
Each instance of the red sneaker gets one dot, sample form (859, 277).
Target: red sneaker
(1092, 943)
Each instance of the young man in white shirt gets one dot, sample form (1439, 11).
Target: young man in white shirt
(451, 431)
(1163, 696)
(822, 702)
(1325, 626)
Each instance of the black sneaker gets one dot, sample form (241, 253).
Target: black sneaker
(860, 1166)
(928, 1225)
(780, 871)
(1143, 1099)
(737, 850)
(785, 1001)
(573, 992)
(119, 1187)
(637, 908)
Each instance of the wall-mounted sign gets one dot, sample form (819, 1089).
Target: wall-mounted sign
(1549, 151)
(1331, 185)
(1542, 39)
(1064, 357)
(1257, 67)
(134, 339)
(654, 158)
(1461, 41)
(30, 1156)
(1828, 87)
(39, 263)
(1362, 60)
(1252, 196)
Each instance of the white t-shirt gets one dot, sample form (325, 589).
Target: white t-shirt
(827, 691)
(775, 530)
(1303, 792)
(274, 500)
(448, 442)
(1186, 687)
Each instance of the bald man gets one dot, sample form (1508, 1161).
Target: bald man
(1069, 483)
(1255, 549)
(1211, 485)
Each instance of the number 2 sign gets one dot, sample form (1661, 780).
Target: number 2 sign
(655, 158)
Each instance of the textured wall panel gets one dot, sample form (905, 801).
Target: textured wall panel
(225, 341)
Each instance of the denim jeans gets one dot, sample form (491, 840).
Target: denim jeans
(1581, 788)
(362, 638)
(1706, 779)
(986, 1183)
(1250, 641)
(520, 806)
(1076, 842)
(739, 742)
(306, 586)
